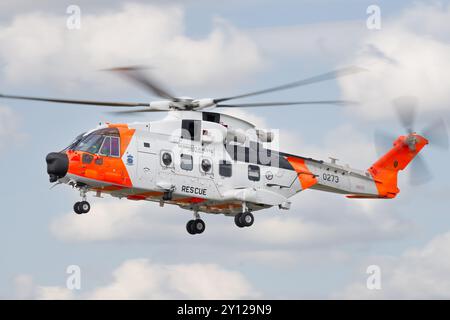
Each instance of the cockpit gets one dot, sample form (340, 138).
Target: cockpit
(105, 142)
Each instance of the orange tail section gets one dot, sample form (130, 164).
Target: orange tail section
(384, 171)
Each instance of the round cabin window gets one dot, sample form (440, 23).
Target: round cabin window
(167, 159)
(206, 165)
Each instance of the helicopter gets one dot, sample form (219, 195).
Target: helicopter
(215, 163)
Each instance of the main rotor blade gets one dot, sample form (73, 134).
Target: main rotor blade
(84, 102)
(406, 108)
(136, 75)
(273, 104)
(323, 77)
(420, 173)
(134, 111)
(383, 141)
(437, 134)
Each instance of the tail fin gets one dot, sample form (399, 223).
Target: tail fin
(384, 171)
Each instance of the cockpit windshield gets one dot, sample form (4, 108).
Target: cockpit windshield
(103, 141)
(75, 142)
(91, 143)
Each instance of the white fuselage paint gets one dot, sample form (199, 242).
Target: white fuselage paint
(274, 186)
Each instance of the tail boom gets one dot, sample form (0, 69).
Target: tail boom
(377, 182)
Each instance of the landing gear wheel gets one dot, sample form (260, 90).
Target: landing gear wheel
(76, 207)
(199, 226)
(244, 219)
(247, 219)
(190, 227)
(237, 220)
(196, 226)
(84, 207)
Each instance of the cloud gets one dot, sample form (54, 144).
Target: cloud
(408, 56)
(321, 220)
(140, 279)
(143, 279)
(418, 273)
(26, 288)
(38, 48)
(323, 41)
(53, 293)
(9, 128)
(116, 219)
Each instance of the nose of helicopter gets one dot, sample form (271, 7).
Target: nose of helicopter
(57, 165)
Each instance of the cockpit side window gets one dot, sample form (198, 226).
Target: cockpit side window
(115, 147)
(106, 147)
(110, 147)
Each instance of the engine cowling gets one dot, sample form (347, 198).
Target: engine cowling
(265, 136)
(236, 135)
(161, 105)
(203, 103)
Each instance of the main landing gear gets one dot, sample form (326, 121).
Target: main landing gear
(244, 218)
(81, 207)
(195, 226)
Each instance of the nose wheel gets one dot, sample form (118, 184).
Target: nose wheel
(81, 207)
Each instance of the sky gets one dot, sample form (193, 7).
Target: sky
(323, 247)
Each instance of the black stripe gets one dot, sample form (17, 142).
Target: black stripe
(259, 155)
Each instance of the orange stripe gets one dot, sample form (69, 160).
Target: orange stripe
(229, 205)
(306, 177)
(190, 200)
(108, 188)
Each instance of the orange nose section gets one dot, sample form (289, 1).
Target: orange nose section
(99, 168)
(75, 166)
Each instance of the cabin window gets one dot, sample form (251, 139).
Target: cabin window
(146, 145)
(211, 117)
(166, 158)
(254, 173)
(186, 162)
(206, 165)
(190, 129)
(225, 169)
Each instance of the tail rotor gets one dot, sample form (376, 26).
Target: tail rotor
(436, 133)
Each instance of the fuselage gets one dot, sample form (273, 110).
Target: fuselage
(202, 161)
